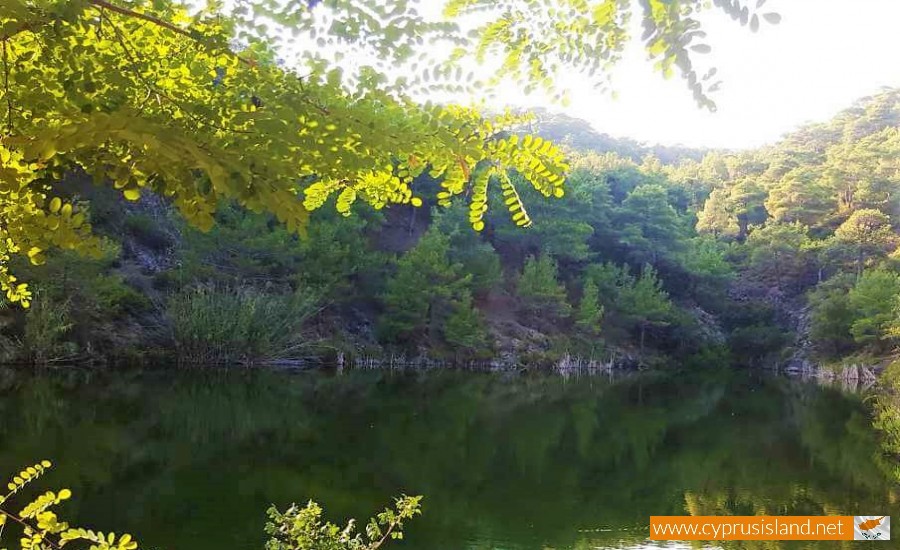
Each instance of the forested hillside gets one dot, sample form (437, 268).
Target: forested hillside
(578, 134)
(814, 221)
(760, 257)
(298, 184)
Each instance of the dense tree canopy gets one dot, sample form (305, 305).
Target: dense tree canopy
(818, 219)
(196, 105)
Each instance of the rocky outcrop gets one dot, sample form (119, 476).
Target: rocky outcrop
(711, 331)
(800, 360)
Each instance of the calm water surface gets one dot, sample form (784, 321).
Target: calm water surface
(191, 460)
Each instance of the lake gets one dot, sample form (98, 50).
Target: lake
(192, 459)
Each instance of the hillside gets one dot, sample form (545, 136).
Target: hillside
(579, 135)
(640, 262)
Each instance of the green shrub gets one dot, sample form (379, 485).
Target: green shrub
(112, 297)
(245, 247)
(240, 324)
(887, 418)
(37, 525)
(45, 336)
(106, 314)
(303, 528)
(757, 344)
(148, 232)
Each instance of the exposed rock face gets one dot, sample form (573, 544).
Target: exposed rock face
(153, 252)
(800, 361)
(513, 340)
(710, 328)
(851, 377)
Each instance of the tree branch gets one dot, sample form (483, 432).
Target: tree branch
(161, 23)
(9, 107)
(149, 18)
(29, 26)
(25, 524)
(152, 89)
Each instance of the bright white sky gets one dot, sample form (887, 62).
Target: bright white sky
(823, 56)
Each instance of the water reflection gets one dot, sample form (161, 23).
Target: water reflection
(191, 460)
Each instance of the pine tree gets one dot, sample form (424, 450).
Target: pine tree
(464, 329)
(540, 290)
(866, 234)
(428, 301)
(780, 253)
(650, 225)
(590, 311)
(646, 303)
(800, 197)
(874, 302)
(420, 295)
(717, 217)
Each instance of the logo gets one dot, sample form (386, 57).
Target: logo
(871, 528)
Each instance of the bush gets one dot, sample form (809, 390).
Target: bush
(37, 526)
(245, 247)
(44, 336)
(589, 314)
(104, 315)
(46, 324)
(303, 528)
(757, 344)
(239, 324)
(148, 232)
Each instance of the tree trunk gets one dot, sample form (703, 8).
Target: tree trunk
(643, 332)
(412, 220)
(859, 265)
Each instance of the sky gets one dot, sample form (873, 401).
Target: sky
(823, 56)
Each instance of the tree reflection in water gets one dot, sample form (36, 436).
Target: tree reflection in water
(192, 459)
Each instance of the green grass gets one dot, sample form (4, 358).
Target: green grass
(240, 325)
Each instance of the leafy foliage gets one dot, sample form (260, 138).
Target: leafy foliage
(296, 528)
(779, 253)
(831, 316)
(651, 227)
(874, 300)
(534, 45)
(246, 248)
(473, 251)
(303, 528)
(150, 97)
(39, 525)
(464, 328)
(817, 219)
(192, 102)
(865, 237)
(43, 339)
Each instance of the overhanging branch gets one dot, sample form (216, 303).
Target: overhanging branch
(103, 4)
